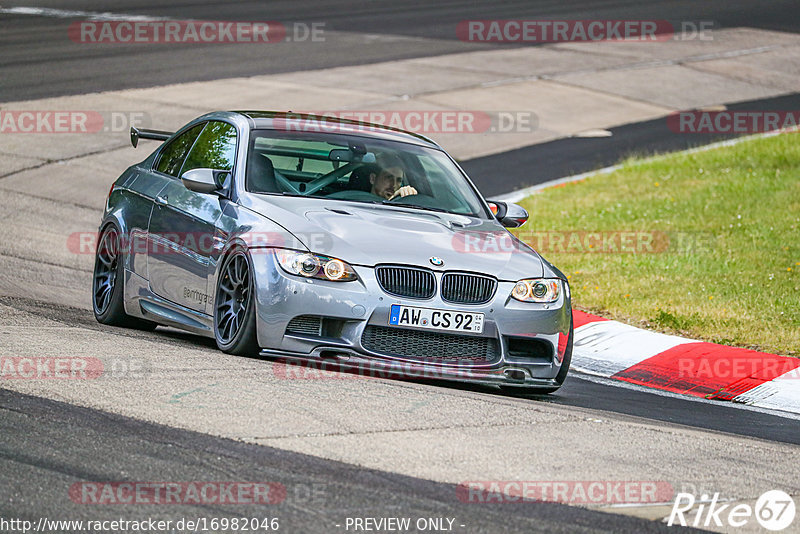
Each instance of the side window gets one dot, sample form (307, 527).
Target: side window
(172, 155)
(215, 148)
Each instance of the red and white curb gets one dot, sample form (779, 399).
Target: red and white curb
(622, 352)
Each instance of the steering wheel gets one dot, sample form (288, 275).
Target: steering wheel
(425, 201)
(363, 196)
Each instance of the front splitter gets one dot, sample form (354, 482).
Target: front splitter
(351, 363)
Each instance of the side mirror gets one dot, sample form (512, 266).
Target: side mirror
(203, 180)
(509, 215)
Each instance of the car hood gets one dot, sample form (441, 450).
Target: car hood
(365, 234)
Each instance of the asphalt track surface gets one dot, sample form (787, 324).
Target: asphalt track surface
(45, 446)
(38, 59)
(48, 445)
(536, 164)
(580, 391)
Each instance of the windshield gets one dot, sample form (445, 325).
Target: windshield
(357, 169)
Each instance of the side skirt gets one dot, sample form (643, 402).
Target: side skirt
(141, 302)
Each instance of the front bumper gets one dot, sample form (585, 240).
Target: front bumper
(355, 306)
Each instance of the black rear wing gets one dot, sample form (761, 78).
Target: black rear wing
(158, 135)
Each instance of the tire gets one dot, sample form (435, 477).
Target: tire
(560, 377)
(235, 307)
(108, 284)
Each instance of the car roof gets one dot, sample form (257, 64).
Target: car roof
(322, 123)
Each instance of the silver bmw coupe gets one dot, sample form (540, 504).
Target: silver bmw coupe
(325, 241)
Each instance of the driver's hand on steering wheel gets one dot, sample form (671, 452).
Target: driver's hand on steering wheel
(404, 191)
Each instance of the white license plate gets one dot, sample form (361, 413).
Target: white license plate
(453, 321)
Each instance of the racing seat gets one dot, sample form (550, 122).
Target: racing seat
(261, 174)
(359, 178)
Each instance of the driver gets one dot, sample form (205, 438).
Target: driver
(388, 183)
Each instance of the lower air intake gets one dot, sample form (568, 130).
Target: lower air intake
(310, 325)
(433, 347)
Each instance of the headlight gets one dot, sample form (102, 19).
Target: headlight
(315, 266)
(537, 290)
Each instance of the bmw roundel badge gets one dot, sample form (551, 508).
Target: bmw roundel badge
(436, 262)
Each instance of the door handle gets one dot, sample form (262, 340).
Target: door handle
(162, 200)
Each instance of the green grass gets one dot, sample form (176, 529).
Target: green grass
(725, 225)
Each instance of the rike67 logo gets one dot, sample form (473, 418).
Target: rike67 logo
(774, 510)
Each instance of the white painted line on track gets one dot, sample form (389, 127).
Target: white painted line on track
(597, 132)
(70, 14)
